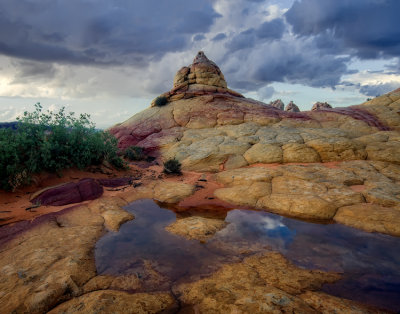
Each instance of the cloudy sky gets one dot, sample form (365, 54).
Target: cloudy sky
(109, 58)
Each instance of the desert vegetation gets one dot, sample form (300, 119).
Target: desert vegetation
(172, 166)
(52, 141)
(161, 101)
(134, 153)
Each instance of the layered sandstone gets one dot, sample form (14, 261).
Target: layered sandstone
(216, 130)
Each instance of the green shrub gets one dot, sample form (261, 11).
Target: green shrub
(161, 101)
(172, 166)
(134, 153)
(47, 141)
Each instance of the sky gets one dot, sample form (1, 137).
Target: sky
(110, 58)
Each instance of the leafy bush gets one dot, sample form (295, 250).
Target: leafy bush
(172, 166)
(52, 142)
(161, 101)
(134, 153)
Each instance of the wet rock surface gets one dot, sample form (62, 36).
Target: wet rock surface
(265, 283)
(196, 227)
(361, 194)
(111, 301)
(51, 266)
(145, 254)
(48, 261)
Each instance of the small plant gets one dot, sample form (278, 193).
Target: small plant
(172, 166)
(161, 101)
(134, 153)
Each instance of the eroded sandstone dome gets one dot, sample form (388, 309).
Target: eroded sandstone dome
(201, 71)
(202, 77)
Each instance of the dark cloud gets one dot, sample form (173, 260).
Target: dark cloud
(324, 71)
(368, 26)
(378, 89)
(31, 70)
(219, 36)
(286, 61)
(100, 32)
(271, 30)
(199, 37)
(267, 31)
(243, 40)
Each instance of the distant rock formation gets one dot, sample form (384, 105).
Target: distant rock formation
(321, 106)
(9, 125)
(292, 107)
(277, 104)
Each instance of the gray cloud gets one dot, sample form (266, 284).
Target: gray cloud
(290, 61)
(101, 32)
(368, 26)
(378, 89)
(219, 36)
(266, 92)
(267, 31)
(271, 30)
(243, 40)
(66, 45)
(27, 71)
(199, 37)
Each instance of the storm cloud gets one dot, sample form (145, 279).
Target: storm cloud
(286, 61)
(100, 32)
(370, 27)
(129, 50)
(378, 89)
(267, 31)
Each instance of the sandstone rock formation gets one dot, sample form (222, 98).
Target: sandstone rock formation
(320, 106)
(196, 227)
(277, 104)
(110, 301)
(292, 107)
(202, 77)
(85, 189)
(202, 71)
(69, 193)
(215, 130)
(264, 284)
(50, 267)
(50, 261)
(314, 191)
(337, 165)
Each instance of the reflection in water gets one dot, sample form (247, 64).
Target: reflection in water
(370, 262)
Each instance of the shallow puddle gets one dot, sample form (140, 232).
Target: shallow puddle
(370, 262)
